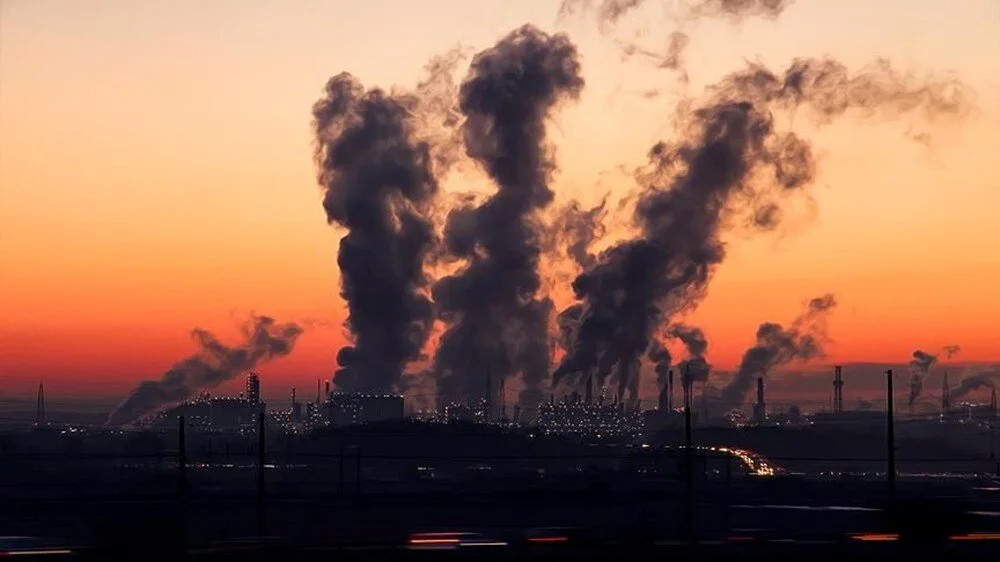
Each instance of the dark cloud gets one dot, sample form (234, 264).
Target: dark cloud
(213, 364)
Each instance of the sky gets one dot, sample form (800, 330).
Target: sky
(156, 174)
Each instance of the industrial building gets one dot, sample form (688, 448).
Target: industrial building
(349, 408)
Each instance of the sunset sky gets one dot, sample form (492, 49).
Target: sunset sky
(156, 174)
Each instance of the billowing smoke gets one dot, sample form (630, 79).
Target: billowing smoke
(213, 364)
(610, 11)
(950, 351)
(777, 346)
(919, 366)
(974, 382)
(577, 228)
(661, 359)
(377, 182)
(728, 162)
(737, 9)
(695, 368)
(497, 326)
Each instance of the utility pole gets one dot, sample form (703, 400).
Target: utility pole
(890, 435)
(181, 458)
(261, 457)
(688, 458)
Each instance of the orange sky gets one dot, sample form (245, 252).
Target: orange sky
(156, 174)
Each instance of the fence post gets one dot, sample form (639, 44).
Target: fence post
(340, 473)
(181, 458)
(357, 482)
(261, 458)
(890, 435)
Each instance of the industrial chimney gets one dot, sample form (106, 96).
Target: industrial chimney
(945, 395)
(760, 409)
(838, 391)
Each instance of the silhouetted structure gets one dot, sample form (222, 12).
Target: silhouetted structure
(759, 408)
(838, 391)
(945, 395)
(40, 406)
(350, 408)
(253, 388)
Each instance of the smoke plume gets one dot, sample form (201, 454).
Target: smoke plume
(919, 366)
(213, 364)
(950, 351)
(695, 368)
(661, 359)
(496, 323)
(578, 228)
(377, 182)
(974, 382)
(728, 161)
(776, 346)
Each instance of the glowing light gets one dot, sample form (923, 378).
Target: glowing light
(549, 540)
(876, 537)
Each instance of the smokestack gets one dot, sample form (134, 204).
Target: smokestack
(670, 392)
(664, 402)
(214, 363)
(40, 406)
(838, 386)
(760, 409)
(588, 396)
(945, 395)
(993, 401)
(326, 388)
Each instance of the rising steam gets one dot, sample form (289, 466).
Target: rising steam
(497, 325)
(213, 364)
(377, 182)
(777, 346)
(919, 366)
(728, 156)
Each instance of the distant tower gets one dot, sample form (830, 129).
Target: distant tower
(253, 388)
(488, 399)
(588, 393)
(40, 407)
(503, 400)
(945, 395)
(670, 389)
(318, 386)
(838, 391)
(993, 401)
(664, 403)
(327, 389)
(760, 408)
(296, 409)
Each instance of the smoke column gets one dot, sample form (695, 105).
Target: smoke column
(919, 366)
(695, 368)
(950, 351)
(578, 228)
(728, 161)
(776, 346)
(377, 184)
(497, 326)
(213, 364)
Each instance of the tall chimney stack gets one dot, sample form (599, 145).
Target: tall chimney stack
(760, 408)
(670, 390)
(945, 395)
(838, 390)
